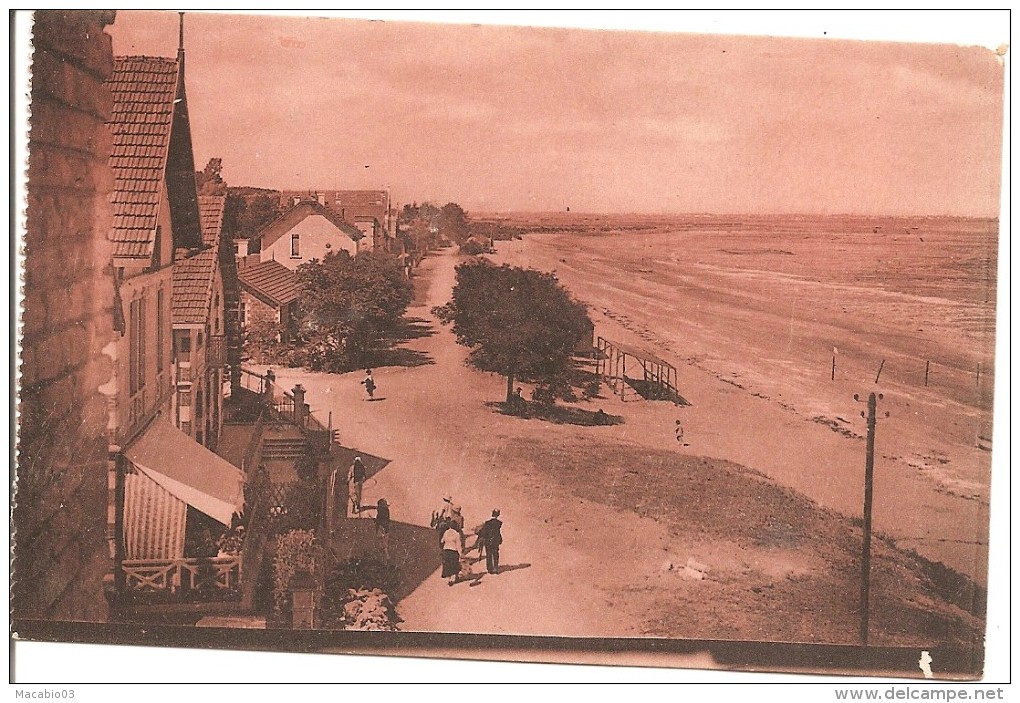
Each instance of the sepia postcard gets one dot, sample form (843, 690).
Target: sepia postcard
(636, 345)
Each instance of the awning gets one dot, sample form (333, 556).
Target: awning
(188, 470)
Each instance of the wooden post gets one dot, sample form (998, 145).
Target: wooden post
(623, 379)
(869, 476)
(977, 377)
(833, 367)
(927, 366)
(880, 367)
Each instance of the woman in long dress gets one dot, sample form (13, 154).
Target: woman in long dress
(451, 555)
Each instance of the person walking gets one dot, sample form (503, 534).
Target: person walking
(441, 517)
(457, 523)
(451, 556)
(491, 537)
(270, 379)
(382, 525)
(369, 384)
(356, 483)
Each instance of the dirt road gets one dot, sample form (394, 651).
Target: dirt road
(431, 422)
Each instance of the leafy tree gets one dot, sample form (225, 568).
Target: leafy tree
(520, 323)
(453, 223)
(209, 181)
(347, 305)
(245, 216)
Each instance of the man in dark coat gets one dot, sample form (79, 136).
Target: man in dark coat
(492, 538)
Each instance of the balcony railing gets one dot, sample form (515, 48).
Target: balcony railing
(216, 351)
(184, 372)
(223, 573)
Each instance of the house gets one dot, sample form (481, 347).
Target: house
(306, 232)
(268, 293)
(165, 488)
(368, 210)
(199, 328)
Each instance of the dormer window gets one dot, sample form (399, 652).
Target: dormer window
(295, 246)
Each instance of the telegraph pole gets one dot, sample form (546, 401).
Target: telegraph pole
(869, 476)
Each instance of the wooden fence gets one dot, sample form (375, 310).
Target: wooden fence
(222, 573)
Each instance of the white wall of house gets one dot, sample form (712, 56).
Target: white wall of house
(316, 237)
(367, 228)
(143, 380)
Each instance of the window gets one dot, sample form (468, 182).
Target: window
(184, 351)
(159, 331)
(184, 399)
(199, 407)
(186, 427)
(241, 312)
(136, 346)
(295, 246)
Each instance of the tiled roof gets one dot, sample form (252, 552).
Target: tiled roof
(144, 89)
(210, 212)
(355, 202)
(193, 286)
(270, 280)
(306, 208)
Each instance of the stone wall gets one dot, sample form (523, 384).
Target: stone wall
(61, 553)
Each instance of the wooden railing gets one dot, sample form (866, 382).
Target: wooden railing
(253, 452)
(224, 573)
(254, 382)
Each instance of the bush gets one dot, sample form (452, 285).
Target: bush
(296, 551)
(362, 574)
(355, 574)
(300, 507)
(265, 343)
(473, 247)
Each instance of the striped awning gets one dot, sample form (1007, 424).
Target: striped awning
(185, 468)
(154, 520)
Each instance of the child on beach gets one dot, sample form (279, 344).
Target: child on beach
(369, 384)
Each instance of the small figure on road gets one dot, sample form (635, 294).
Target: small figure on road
(356, 482)
(491, 537)
(441, 517)
(451, 556)
(382, 524)
(270, 380)
(679, 433)
(518, 406)
(457, 523)
(369, 384)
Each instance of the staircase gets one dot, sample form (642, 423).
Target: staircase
(282, 448)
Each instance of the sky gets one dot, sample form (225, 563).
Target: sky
(500, 118)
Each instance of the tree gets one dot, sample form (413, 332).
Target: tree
(347, 304)
(209, 180)
(453, 223)
(520, 323)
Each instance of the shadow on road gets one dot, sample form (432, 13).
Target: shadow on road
(344, 456)
(414, 550)
(557, 414)
(512, 567)
(391, 353)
